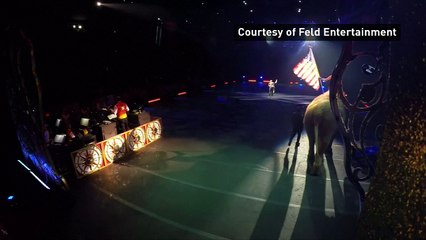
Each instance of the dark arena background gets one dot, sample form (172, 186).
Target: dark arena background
(221, 138)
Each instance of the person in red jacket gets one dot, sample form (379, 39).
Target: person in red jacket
(121, 109)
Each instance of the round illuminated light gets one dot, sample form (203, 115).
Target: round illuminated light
(114, 148)
(136, 139)
(154, 130)
(88, 160)
(74, 26)
(98, 4)
(80, 27)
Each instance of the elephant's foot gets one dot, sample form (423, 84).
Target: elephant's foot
(316, 166)
(311, 158)
(329, 151)
(315, 171)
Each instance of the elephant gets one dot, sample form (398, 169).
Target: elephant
(321, 127)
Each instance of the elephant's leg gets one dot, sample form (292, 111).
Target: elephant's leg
(317, 159)
(324, 134)
(310, 132)
(329, 150)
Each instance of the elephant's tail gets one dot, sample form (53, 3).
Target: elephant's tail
(317, 140)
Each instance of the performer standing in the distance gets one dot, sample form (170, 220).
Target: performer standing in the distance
(271, 86)
(121, 109)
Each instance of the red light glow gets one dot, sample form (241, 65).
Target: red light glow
(154, 100)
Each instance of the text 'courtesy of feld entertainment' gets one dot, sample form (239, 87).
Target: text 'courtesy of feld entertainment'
(327, 32)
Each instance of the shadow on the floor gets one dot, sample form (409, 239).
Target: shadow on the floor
(272, 216)
(316, 220)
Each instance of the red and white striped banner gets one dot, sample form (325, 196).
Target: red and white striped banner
(307, 70)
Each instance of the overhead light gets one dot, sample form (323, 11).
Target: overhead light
(98, 4)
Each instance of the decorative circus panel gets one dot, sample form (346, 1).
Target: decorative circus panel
(96, 156)
(87, 160)
(136, 139)
(153, 130)
(114, 148)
